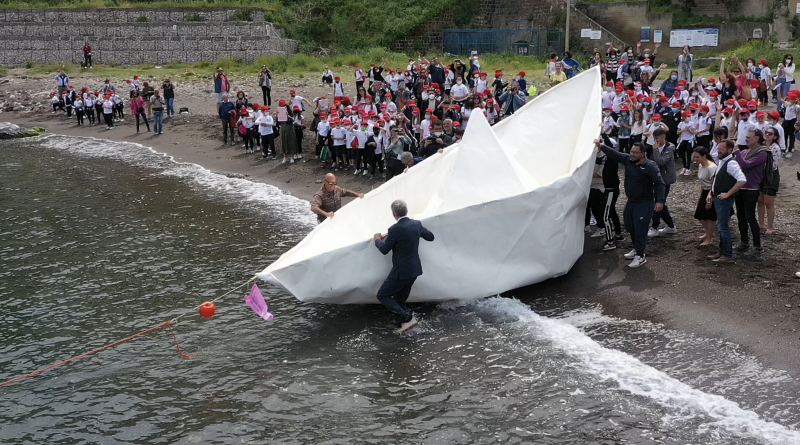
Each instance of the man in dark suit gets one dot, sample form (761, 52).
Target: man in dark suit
(403, 241)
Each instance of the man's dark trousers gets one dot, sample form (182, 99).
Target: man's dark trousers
(637, 216)
(394, 293)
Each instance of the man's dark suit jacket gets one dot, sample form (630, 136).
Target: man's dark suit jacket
(403, 241)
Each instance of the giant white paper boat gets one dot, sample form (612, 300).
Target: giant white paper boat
(506, 206)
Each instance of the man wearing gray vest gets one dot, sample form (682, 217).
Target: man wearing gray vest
(728, 180)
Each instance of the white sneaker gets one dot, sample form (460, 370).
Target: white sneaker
(587, 229)
(789, 155)
(667, 231)
(284, 161)
(797, 274)
(407, 326)
(630, 255)
(652, 232)
(291, 161)
(357, 172)
(637, 262)
(592, 221)
(364, 172)
(687, 172)
(599, 233)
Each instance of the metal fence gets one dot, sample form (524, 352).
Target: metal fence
(532, 42)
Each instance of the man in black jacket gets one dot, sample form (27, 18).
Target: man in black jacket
(403, 241)
(645, 191)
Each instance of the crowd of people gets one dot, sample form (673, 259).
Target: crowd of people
(420, 109)
(720, 125)
(90, 107)
(382, 120)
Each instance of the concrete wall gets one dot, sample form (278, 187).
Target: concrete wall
(121, 15)
(54, 36)
(625, 19)
(748, 8)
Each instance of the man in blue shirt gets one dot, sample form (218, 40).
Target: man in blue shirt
(645, 191)
(226, 110)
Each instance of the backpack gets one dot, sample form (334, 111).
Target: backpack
(768, 179)
(325, 155)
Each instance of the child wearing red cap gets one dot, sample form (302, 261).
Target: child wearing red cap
(359, 75)
(764, 82)
(245, 125)
(299, 123)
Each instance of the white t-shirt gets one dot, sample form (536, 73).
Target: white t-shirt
(791, 112)
(685, 129)
(323, 128)
(297, 101)
(265, 124)
(651, 128)
(339, 135)
(703, 125)
(425, 128)
(607, 98)
(638, 128)
(108, 107)
(743, 127)
(459, 91)
(362, 136)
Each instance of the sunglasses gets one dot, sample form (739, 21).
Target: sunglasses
(330, 183)
(769, 133)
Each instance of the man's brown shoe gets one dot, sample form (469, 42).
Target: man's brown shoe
(714, 256)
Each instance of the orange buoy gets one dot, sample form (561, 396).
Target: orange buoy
(208, 309)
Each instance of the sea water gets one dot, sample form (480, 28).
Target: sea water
(100, 240)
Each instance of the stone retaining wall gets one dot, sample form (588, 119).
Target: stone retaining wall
(123, 15)
(56, 36)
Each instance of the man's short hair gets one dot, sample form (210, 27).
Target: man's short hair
(399, 208)
(405, 157)
(721, 132)
(729, 143)
(658, 132)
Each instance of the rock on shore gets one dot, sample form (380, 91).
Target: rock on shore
(13, 131)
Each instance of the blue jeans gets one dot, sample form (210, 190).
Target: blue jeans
(723, 208)
(158, 121)
(636, 217)
(393, 295)
(785, 87)
(171, 106)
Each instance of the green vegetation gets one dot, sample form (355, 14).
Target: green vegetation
(243, 15)
(195, 18)
(343, 25)
(300, 65)
(756, 49)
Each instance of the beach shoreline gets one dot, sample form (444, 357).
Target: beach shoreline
(754, 303)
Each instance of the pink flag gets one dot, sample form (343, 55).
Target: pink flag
(256, 301)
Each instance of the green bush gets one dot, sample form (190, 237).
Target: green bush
(276, 64)
(29, 64)
(195, 18)
(141, 19)
(243, 15)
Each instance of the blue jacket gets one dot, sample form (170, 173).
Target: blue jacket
(403, 242)
(225, 109)
(518, 100)
(643, 181)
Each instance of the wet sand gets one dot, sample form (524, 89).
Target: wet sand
(753, 303)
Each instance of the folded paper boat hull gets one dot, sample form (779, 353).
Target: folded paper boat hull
(506, 206)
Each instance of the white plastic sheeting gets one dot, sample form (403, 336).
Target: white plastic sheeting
(506, 206)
